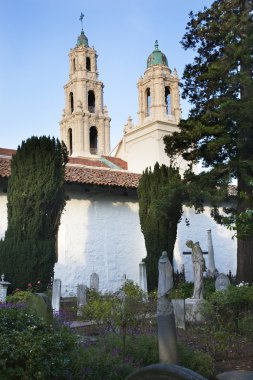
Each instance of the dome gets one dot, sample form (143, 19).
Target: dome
(82, 40)
(157, 57)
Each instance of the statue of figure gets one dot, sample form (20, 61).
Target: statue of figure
(199, 267)
(165, 279)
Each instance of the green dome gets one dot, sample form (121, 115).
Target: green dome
(157, 57)
(82, 40)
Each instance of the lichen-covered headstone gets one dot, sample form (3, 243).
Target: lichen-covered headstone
(94, 282)
(81, 298)
(56, 295)
(222, 282)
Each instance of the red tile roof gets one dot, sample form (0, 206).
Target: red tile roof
(5, 167)
(84, 171)
(104, 177)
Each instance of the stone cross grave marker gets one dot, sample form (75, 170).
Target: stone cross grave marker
(94, 281)
(56, 295)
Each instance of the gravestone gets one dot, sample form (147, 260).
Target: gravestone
(94, 282)
(222, 282)
(167, 336)
(212, 272)
(3, 289)
(164, 372)
(81, 298)
(56, 295)
(179, 311)
(143, 278)
(39, 304)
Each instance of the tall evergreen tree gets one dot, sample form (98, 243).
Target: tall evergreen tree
(36, 198)
(160, 209)
(219, 130)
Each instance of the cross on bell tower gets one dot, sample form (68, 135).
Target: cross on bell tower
(85, 123)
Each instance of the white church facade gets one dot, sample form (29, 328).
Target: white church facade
(100, 230)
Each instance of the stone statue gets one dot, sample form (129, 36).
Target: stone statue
(165, 279)
(199, 267)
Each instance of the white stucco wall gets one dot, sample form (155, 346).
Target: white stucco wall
(3, 212)
(224, 246)
(100, 232)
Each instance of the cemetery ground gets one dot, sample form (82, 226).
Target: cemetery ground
(116, 343)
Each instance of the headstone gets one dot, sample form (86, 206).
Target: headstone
(222, 282)
(179, 311)
(212, 271)
(3, 289)
(164, 371)
(56, 295)
(167, 337)
(143, 277)
(39, 304)
(81, 298)
(199, 267)
(94, 282)
(194, 310)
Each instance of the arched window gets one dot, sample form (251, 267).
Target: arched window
(70, 143)
(167, 100)
(148, 101)
(74, 64)
(93, 140)
(91, 101)
(88, 63)
(71, 102)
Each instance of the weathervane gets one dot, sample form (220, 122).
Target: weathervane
(81, 19)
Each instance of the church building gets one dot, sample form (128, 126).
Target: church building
(100, 229)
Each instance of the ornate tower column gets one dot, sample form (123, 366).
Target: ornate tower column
(159, 113)
(84, 124)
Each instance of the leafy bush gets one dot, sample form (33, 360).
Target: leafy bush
(182, 290)
(197, 361)
(230, 309)
(30, 349)
(120, 312)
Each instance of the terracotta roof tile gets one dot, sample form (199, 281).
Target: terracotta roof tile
(104, 177)
(87, 175)
(7, 152)
(86, 161)
(117, 161)
(5, 167)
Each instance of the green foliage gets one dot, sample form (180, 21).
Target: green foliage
(36, 198)
(197, 361)
(107, 361)
(120, 311)
(231, 310)
(160, 194)
(182, 290)
(219, 131)
(29, 349)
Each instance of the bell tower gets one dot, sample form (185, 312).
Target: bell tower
(159, 113)
(85, 123)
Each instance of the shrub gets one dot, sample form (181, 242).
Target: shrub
(30, 349)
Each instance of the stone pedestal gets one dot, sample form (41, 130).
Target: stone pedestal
(193, 309)
(179, 312)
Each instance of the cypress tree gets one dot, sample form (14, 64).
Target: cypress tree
(36, 198)
(219, 130)
(160, 195)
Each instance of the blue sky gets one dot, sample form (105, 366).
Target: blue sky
(35, 39)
